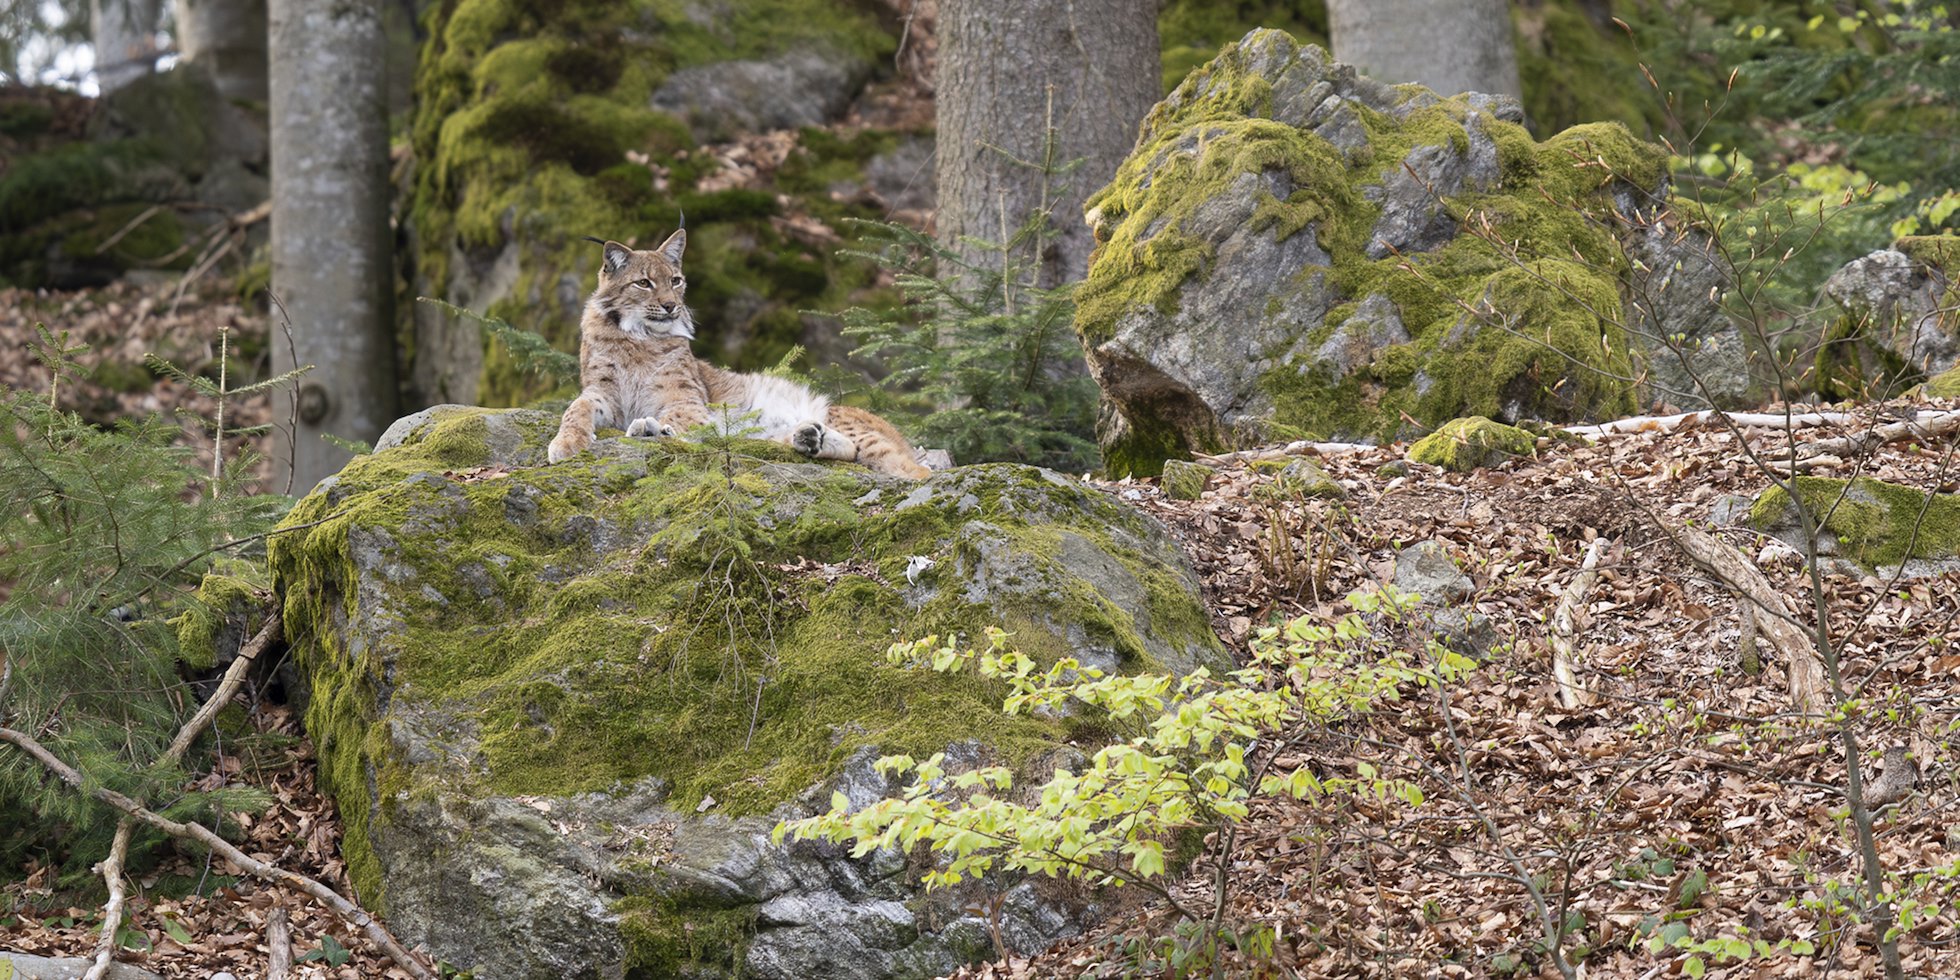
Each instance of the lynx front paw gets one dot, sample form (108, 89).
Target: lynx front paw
(809, 439)
(650, 428)
(564, 448)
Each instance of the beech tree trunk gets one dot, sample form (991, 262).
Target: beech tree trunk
(1449, 45)
(124, 36)
(227, 38)
(332, 266)
(999, 63)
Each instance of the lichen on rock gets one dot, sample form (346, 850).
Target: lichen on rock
(1296, 248)
(568, 703)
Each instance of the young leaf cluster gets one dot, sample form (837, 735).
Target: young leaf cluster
(1198, 750)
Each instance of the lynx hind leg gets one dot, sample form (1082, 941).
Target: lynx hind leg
(822, 442)
(875, 442)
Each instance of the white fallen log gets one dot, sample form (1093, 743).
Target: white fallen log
(1573, 693)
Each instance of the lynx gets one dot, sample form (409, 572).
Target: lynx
(637, 372)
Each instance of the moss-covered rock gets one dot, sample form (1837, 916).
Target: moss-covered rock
(537, 124)
(1898, 323)
(1286, 252)
(526, 681)
(1462, 445)
(1944, 385)
(1185, 480)
(1877, 526)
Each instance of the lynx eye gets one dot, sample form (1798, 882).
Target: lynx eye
(643, 283)
(677, 280)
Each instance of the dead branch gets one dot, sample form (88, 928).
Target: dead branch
(198, 833)
(1923, 426)
(278, 945)
(111, 868)
(1805, 667)
(1303, 447)
(1572, 693)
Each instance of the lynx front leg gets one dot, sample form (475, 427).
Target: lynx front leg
(575, 429)
(677, 418)
(821, 441)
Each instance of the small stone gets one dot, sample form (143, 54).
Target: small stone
(1393, 469)
(1184, 480)
(1426, 569)
(1306, 478)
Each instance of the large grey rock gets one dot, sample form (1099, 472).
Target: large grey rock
(1896, 301)
(1694, 352)
(21, 966)
(1293, 248)
(562, 708)
(806, 86)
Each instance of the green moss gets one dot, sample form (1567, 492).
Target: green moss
(1466, 444)
(668, 939)
(1876, 523)
(1851, 365)
(1548, 344)
(1946, 385)
(1184, 480)
(718, 655)
(237, 591)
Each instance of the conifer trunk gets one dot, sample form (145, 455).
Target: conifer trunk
(1449, 45)
(999, 62)
(332, 267)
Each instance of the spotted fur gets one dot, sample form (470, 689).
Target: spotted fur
(637, 372)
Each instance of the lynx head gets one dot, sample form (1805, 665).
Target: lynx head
(642, 293)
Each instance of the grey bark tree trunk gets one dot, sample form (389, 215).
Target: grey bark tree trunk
(1449, 45)
(332, 266)
(124, 36)
(227, 38)
(999, 61)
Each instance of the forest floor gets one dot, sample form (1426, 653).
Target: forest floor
(1687, 799)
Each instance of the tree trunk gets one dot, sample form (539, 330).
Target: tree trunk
(124, 35)
(999, 63)
(332, 269)
(228, 38)
(1449, 45)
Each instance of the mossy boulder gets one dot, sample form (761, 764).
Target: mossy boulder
(536, 125)
(1868, 526)
(562, 707)
(1462, 445)
(1945, 384)
(1295, 249)
(1897, 324)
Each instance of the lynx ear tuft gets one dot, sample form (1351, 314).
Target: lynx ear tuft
(675, 244)
(616, 256)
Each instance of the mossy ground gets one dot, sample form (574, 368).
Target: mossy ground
(525, 112)
(730, 641)
(1549, 343)
(1876, 523)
